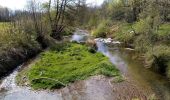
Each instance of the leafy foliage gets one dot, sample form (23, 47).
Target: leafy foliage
(59, 68)
(102, 29)
(158, 57)
(125, 33)
(11, 38)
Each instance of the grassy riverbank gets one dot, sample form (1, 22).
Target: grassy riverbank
(15, 47)
(72, 62)
(152, 45)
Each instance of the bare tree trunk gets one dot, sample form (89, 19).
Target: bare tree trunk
(57, 23)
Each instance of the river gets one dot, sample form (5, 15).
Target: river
(137, 78)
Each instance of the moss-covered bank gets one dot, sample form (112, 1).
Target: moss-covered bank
(58, 68)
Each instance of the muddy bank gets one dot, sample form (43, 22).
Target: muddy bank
(10, 59)
(102, 88)
(94, 88)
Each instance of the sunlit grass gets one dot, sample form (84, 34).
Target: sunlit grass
(164, 29)
(57, 69)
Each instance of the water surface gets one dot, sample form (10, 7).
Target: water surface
(139, 81)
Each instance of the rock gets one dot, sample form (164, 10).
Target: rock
(116, 42)
(130, 49)
(132, 32)
(110, 39)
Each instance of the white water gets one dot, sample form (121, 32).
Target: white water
(10, 91)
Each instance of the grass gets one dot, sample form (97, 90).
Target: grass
(124, 33)
(4, 26)
(74, 62)
(102, 29)
(15, 47)
(11, 37)
(164, 29)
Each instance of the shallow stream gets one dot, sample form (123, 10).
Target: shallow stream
(146, 81)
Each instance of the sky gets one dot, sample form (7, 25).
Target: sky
(20, 4)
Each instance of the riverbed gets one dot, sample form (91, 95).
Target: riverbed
(139, 82)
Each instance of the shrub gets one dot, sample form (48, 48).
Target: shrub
(142, 26)
(142, 43)
(164, 33)
(158, 57)
(102, 29)
(11, 37)
(68, 31)
(125, 33)
(168, 70)
(16, 46)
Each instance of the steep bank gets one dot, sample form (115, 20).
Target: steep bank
(10, 59)
(16, 46)
(152, 47)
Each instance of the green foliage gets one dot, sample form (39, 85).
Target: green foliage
(168, 70)
(158, 57)
(14, 38)
(164, 29)
(142, 26)
(59, 68)
(145, 30)
(68, 31)
(125, 33)
(163, 34)
(94, 20)
(142, 43)
(102, 29)
(116, 9)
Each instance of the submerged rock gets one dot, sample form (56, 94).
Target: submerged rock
(130, 49)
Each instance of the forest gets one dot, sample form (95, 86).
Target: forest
(118, 50)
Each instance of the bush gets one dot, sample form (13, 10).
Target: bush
(15, 47)
(125, 33)
(168, 70)
(142, 43)
(158, 57)
(11, 37)
(68, 31)
(102, 29)
(142, 26)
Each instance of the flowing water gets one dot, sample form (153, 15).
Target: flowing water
(139, 82)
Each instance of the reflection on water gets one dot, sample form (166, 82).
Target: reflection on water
(134, 70)
(115, 59)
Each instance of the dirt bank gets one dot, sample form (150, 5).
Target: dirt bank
(10, 59)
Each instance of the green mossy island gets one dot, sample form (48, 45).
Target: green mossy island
(57, 68)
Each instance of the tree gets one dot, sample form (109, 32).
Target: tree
(4, 14)
(36, 15)
(56, 21)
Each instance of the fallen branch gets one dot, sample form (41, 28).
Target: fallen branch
(50, 79)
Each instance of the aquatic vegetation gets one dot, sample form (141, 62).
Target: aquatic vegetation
(57, 69)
